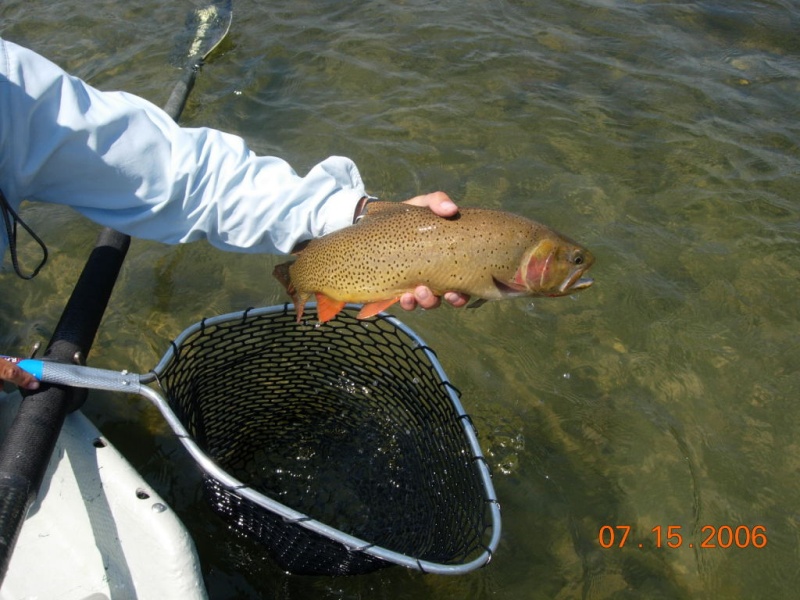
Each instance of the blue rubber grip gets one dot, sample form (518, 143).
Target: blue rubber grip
(32, 366)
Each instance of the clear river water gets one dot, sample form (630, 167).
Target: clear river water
(662, 135)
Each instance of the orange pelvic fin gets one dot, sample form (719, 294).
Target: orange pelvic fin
(373, 308)
(327, 308)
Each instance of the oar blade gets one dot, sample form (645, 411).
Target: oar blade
(210, 24)
(206, 27)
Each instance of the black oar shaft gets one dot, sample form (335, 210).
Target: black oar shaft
(25, 452)
(26, 449)
(180, 93)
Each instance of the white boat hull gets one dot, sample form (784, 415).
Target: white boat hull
(97, 529)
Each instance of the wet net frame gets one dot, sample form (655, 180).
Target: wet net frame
(342, 448)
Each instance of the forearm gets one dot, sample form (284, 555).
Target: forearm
(124, 163)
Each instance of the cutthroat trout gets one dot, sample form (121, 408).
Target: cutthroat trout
(395, 247)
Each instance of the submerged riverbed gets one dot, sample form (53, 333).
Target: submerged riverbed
(663, 136)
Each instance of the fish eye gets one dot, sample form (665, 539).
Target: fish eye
(578, 260)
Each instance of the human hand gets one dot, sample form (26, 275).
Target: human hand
(441, 204)
(19, 377)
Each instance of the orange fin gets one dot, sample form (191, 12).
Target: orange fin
(327, 308)
(373, 308)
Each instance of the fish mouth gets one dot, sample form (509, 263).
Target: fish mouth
(575, 283)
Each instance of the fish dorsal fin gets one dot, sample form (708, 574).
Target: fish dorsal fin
(375, 208)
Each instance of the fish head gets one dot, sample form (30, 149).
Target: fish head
(554, 267)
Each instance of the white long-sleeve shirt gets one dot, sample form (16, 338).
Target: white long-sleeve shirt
(124, 163)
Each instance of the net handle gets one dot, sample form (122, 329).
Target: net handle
(79, 376)
(133, 383)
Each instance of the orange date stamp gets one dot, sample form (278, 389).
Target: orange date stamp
(723, 536)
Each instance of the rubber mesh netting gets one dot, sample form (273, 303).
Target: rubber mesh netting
(350, 423)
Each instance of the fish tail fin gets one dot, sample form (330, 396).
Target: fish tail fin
(373, 308)
(327, 308)
(281, 273)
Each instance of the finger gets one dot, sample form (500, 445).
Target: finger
(408, 302)
(456, 299)
(29, 383)
(18, 377)
(439, 202)
(24, 380)
(425, 297)
(422, 297)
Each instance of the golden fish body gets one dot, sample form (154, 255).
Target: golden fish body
(487, 254)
